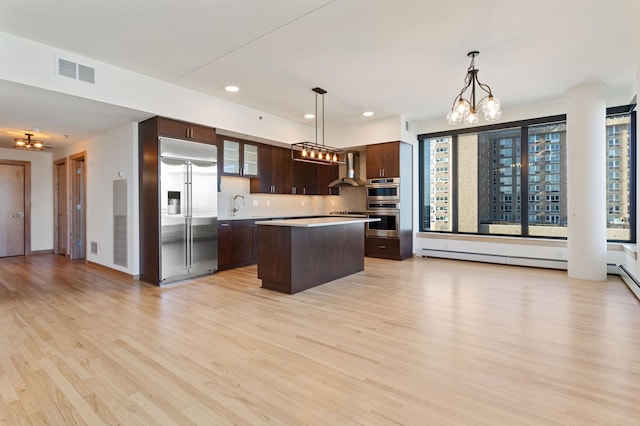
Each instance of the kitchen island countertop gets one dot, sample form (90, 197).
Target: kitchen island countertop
(313, 222)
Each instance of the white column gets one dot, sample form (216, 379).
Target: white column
(586, 182)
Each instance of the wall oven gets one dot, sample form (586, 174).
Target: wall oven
(383, 189)
(389, 215)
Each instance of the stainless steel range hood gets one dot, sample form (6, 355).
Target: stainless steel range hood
(352, 163)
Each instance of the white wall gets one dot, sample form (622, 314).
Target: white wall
(111, 156)
(124, 88)
(41, 194)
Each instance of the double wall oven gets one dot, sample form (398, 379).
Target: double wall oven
(383, 202)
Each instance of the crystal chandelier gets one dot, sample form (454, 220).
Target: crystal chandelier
(316, 152)
(466, 110)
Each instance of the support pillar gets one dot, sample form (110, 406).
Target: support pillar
(586, 182)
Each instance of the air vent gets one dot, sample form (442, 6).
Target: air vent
(94, 247)
(66, 68)
(76, 71)
(86, 74)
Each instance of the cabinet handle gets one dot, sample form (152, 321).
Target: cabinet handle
(382, 247)
(224, 224)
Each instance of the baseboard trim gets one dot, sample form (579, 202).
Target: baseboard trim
(113, 271)
(630, 280)
(48, 251)
(496, 258)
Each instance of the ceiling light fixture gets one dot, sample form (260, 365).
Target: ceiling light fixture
(309, 116)
(368, 114)
(27, 143)
(467, 109)
(315, 152)
(231, 89)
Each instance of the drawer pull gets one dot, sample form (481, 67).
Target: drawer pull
(382, 247)
(224, 224)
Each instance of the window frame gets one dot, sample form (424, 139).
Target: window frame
(524, 175)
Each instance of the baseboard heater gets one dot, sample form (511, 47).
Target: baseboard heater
(631, 281)
(496, 258)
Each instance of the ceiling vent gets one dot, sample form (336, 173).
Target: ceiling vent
(76, 71)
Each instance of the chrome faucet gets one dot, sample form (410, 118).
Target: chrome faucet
(233, 203)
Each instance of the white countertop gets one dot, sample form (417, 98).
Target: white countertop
(267, 217)
(316, 221)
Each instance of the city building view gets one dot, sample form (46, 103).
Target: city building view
(489, 169)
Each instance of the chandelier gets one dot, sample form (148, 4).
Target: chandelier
(466, 110)
(28, 143)
(316, 152)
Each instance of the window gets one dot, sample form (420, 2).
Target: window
(485, 170)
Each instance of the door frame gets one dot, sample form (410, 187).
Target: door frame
(56, 195)
(27, 200)
(72, 247)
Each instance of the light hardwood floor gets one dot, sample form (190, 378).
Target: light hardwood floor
(419, 342)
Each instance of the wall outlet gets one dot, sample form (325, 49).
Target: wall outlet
(302, 202)
(333, 203)
(268, 203)
(254, 203)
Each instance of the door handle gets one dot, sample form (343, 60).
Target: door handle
(18, 215)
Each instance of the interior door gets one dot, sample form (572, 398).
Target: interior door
(61, 209)
(12, 210)
(78, 205)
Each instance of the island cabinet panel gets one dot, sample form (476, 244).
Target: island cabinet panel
(274, 171)
(292, 259)
(383, 160)
(237, 243)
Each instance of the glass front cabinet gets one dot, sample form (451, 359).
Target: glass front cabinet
(239, 158)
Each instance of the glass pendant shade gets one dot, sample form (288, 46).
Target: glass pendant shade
(466, 110)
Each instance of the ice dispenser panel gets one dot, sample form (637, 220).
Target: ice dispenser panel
(173, 200)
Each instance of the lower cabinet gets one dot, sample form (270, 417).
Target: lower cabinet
(237, 243)
(388, 248)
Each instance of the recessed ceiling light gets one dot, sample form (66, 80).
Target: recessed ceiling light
(231, 88)
(367, 113)
(309, 116)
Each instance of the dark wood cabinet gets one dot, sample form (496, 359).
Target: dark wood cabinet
(305, 178)
(393, 160)
(237, 243)
(239, 157)
(383, 160)
(326, 175)
(187, 131)
(275, 171)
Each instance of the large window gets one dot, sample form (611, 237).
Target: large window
(512, 179)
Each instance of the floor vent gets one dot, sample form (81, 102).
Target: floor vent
(76, 71)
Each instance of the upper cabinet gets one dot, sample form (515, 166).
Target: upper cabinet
(239, 158)
(274, 171)
(187, 131)
(326, 175)
(383, 160)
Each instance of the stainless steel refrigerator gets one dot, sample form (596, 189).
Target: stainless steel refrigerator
(188, 209)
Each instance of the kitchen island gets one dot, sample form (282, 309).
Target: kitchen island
(297, 254)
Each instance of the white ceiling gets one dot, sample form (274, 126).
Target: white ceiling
(392, 57)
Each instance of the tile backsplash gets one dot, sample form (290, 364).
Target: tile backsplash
(350, 199)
